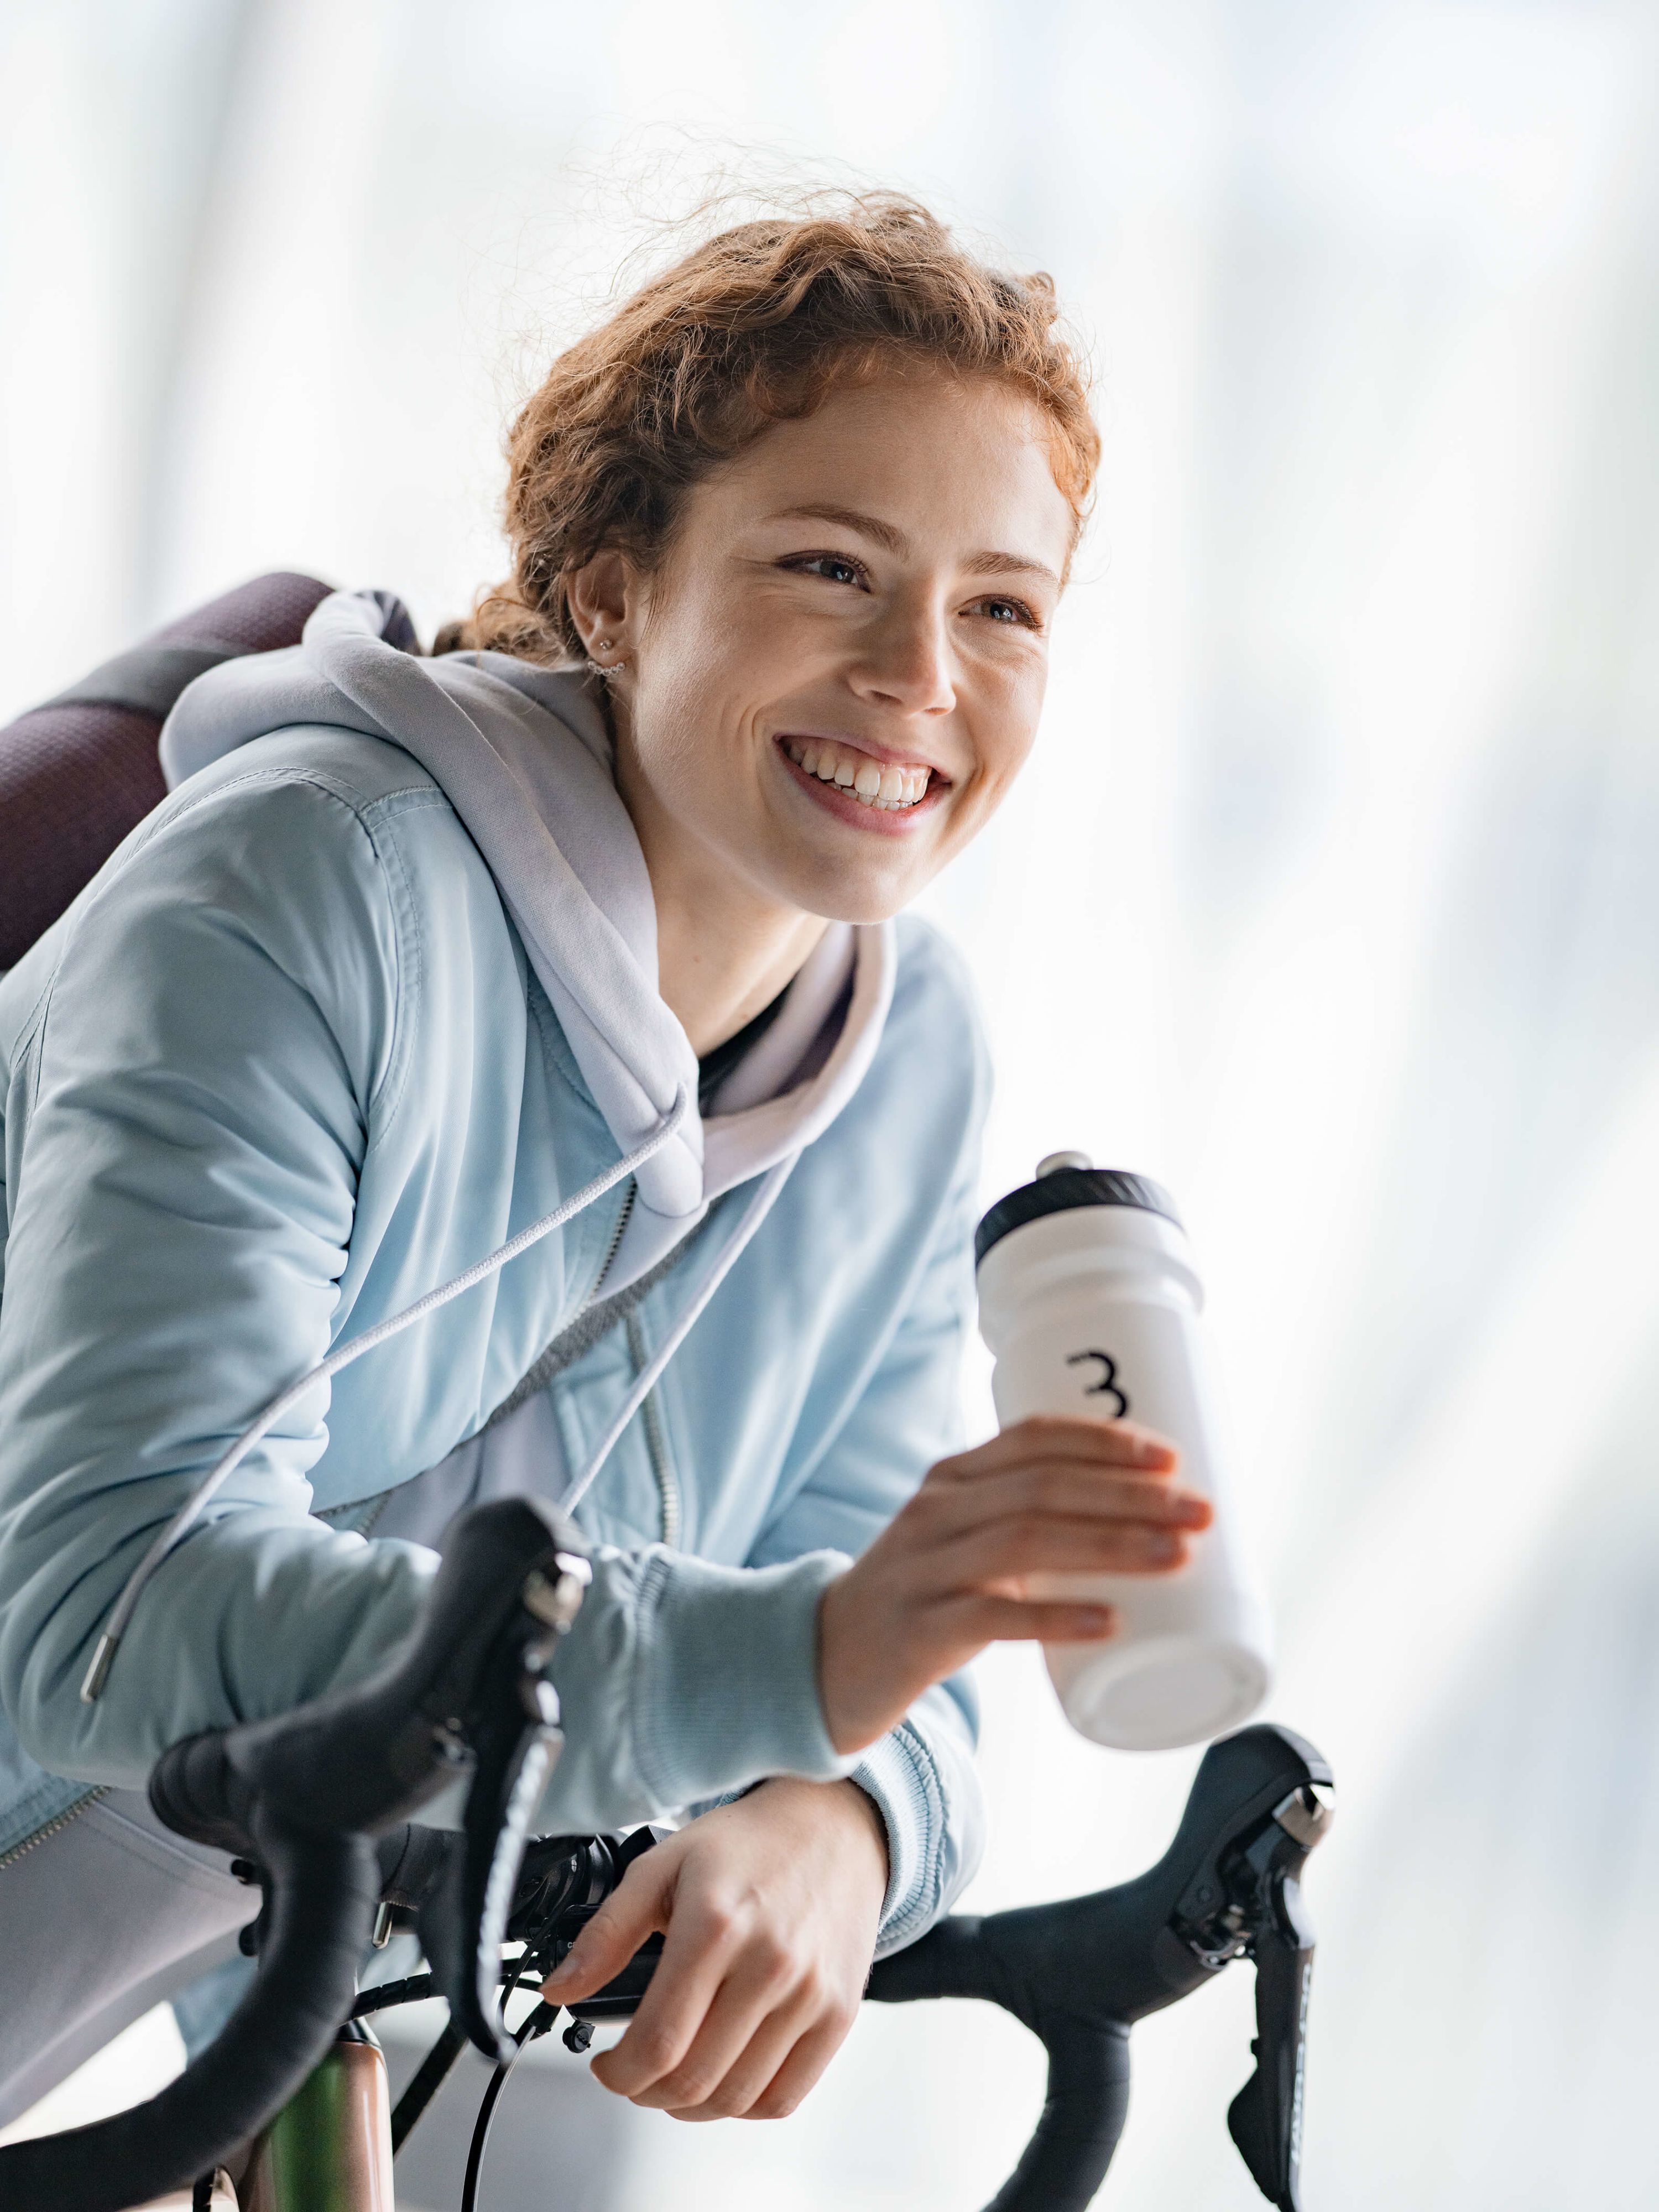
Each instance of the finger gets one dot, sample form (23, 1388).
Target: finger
(758, 2065)
(695, 1960)
(1066, 1486)
(758, 1980)
(1097, 1442)
(1013, 1502)
(981, 1556)
(1084, 1437)
(638, 1906)
(770, 2050)
(968, 1624)
(752, 2026)
(798, 2073)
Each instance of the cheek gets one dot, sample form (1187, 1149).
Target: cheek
(689, 700)
(709, 667)
(1007, 725)
(739, 644)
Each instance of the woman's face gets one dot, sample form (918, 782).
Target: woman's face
(824, 688)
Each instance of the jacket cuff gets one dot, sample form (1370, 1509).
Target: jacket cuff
(711, 1671)
(727, 1682)
(898, 1772)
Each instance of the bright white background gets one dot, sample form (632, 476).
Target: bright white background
(1332, 896)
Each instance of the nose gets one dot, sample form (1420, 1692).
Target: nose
(906, 661)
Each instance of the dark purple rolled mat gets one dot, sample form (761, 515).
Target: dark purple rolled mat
(79, 772)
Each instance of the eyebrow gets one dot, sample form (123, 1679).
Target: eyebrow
(893, 539)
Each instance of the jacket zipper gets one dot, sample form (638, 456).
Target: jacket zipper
(52, 1827)
(656, 1441)
(612, 1249)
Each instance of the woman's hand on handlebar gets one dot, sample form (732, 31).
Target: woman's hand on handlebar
(770, 1907)
(947, 1575)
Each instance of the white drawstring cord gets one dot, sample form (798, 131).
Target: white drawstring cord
(184, 1519)
(759, 1206)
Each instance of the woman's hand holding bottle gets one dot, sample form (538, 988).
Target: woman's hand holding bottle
(947, 1575)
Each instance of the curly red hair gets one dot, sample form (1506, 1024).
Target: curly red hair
(755, 326)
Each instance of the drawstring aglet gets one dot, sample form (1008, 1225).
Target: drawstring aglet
(98, 1673)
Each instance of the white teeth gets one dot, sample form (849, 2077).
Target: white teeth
(887, 789)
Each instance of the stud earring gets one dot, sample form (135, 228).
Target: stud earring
(605, 645)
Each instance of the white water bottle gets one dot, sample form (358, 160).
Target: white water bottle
(1090, 1302)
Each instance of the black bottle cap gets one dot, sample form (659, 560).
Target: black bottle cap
(1061, 1189)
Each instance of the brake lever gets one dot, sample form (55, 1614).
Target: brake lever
(514, 1739)
(1265, 2118)
(1079, 1973)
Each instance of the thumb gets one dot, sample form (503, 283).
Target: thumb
(637, 1908)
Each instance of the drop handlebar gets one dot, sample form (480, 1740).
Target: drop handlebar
(323, 1802)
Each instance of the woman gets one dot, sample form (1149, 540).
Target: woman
(417, 948)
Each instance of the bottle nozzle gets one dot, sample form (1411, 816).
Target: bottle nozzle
(1055, 1161)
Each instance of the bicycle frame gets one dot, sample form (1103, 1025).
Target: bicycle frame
(330, 2147)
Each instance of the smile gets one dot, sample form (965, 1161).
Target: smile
(885, 788)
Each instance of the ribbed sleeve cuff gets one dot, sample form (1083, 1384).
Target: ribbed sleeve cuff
(898, 1772)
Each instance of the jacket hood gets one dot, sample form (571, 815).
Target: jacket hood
(524, 756)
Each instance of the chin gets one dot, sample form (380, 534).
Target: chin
(845, 894)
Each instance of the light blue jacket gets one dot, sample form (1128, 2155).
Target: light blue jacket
(284, 1067)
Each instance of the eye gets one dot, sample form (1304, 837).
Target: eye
(1009, 613)
(835, 568)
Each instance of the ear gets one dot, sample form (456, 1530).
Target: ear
(606, 602)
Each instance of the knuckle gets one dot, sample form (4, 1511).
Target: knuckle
(1138, 1433)
(655, 2047)
(773, 1959)
(717, 1920)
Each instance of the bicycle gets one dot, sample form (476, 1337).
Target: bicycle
(316, 1806)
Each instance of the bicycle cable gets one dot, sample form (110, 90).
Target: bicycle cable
(538, 2024)
(435, 2067)
(413, 1990)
